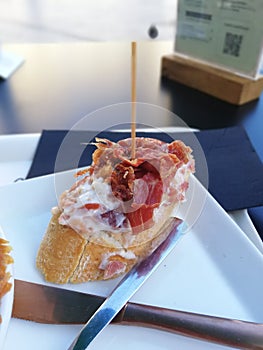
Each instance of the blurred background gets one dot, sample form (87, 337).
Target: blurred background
(85, 20)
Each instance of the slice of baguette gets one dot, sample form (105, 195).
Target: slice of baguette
(84, 246)
(66, 256)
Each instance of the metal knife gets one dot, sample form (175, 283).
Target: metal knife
(53, 305)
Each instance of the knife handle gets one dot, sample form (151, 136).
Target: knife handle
(234, 333)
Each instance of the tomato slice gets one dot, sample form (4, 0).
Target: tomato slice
(92, 206)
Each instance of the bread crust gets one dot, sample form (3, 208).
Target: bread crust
(59, 252)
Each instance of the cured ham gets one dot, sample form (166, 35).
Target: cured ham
(141, 181)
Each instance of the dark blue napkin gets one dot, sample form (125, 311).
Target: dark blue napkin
(234, 168)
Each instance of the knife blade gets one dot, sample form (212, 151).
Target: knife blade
(128, 286)
(53, 305)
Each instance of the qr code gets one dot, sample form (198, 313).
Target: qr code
(232, 44)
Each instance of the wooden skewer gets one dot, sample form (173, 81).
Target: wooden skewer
(133, 98)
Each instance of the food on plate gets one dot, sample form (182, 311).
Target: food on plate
(5, 259)
(111, 217)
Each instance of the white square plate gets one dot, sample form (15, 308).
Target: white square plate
(214, 269)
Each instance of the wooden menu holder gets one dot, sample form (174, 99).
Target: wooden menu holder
(217, 82)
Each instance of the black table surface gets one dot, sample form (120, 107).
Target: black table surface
(58, 84)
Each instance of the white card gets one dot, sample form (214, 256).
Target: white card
(227, 33)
